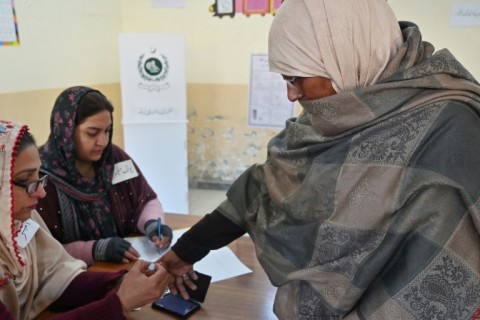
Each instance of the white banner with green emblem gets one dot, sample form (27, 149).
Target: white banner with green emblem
(153, 78)
(153, 81)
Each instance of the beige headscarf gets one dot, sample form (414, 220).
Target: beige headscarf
(347, 41)
(31, 278)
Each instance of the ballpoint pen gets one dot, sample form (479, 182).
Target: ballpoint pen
(159, 228)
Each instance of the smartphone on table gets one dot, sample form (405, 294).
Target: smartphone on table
(181, 307)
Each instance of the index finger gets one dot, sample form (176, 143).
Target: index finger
(180, 287)
(156, 240)
(131, 256)
(163, 243)
(133, 251)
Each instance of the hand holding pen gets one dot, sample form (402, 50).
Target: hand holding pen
(159, 228)
(160, 234)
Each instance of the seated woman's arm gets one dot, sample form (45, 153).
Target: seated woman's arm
(152, 211)
(82, 250)
(108, 308)
(92, 295)
(4, 313)
(88, 288)
(147, 223)
(114, 294)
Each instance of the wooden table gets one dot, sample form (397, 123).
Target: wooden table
(249, 296)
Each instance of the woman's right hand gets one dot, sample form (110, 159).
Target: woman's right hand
(182, 271)
(141, 286)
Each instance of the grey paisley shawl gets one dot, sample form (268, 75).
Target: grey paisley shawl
(367, 206)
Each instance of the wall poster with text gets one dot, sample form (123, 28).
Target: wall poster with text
(8, 24)
(269, 106)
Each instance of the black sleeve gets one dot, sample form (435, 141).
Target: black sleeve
(212, 232)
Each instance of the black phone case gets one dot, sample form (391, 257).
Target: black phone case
(202, 283)
(176, 305)
(183, 308)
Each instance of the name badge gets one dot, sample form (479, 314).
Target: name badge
(123, 171)
(29, 228)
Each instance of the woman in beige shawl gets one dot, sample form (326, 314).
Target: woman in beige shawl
(367, 206)
(35, 270)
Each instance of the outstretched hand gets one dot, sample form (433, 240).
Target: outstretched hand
(183, 273)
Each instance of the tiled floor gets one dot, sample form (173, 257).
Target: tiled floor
(202, 201)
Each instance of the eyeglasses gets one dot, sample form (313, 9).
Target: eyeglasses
(32, 186)
(291, 81)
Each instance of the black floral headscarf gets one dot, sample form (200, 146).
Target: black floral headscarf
(82, 201)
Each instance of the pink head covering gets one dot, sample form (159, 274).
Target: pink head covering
(347, 41)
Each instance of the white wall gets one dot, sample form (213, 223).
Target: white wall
(433, 18)
(66, 42)
(218, 49)
(62, 43)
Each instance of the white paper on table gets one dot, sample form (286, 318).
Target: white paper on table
(148, 251)
(220, 264)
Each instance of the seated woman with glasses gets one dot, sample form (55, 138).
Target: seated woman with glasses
(32, 186)
(91, 205)
(35, 270)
